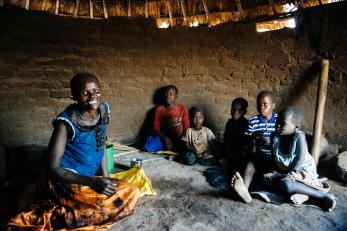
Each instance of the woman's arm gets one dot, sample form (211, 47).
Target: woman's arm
(56, 150)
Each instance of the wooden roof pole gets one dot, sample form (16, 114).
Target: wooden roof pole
(56, 7)
(75, 14)
(146, 9)
(105, 8)
(239, 8)
(27, 3)
(168, 4)
(206, 11)
(129, 8)
(91, 12)
(320, 105)
(184, 12)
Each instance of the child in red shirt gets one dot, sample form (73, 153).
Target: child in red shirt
(171, 120)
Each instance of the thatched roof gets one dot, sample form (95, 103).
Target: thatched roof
(173, 12)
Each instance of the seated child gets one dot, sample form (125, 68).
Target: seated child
(72, 196)
(171, 120)
(297, 172)
(199, 141)
(259, 130)
(235, 139)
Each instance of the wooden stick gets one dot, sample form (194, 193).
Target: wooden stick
(56, 7)
(105, 9)
(91, 12)
(27, 3)
(184, 12)
(75, 14)
(168, 4)
(146, 9)
(206, 11)
(320, 105)
(129, 8)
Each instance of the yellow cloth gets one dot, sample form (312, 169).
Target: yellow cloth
(136, 176)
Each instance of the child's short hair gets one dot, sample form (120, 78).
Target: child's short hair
(242, 102)
(171, 87)
(77, 81)
(194, 110)
(297, 115)
(263, 94)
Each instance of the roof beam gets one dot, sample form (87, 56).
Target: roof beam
(239, 8)
(75, 14)
(146, 9)
(105, 9)
(168, 5)
(91, 11)
(184, 12)
(129, 8)
(204, 2)
(56, 7)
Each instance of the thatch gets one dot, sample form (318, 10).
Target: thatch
(218, 11)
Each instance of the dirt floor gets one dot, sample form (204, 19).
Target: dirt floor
(185, 201)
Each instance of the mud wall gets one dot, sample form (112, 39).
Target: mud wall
(40, 52)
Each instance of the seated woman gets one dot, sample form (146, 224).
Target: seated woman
(72, 195)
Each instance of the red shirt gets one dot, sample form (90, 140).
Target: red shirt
(173, 123)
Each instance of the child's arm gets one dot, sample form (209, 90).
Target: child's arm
(56, 149)
(300, 151)
(190, 148)
(104, 169)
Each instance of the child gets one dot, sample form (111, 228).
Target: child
(235, 139)
(76, 151)
(171, 120)
(199, 141)
(292, 159)
(259, 130)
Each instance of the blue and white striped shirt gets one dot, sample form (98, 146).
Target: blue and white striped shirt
(257, 123)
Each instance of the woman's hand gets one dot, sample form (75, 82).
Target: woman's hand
(104, 186)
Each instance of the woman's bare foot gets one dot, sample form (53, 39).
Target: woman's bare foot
(240, 188)
(298, 198)
(329, 202)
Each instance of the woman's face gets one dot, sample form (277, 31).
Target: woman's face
(89, 96)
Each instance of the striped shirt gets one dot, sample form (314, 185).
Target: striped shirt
(257, 123)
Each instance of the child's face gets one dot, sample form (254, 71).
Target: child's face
(237, 112)
(89, 96)
(197, 120)
(170, 96)
(284, 125)
(266, 106)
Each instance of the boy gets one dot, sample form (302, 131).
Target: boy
(235, 139)
(171, 120)
(199, 141)
(259, 130)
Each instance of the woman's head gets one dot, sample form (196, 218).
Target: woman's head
(289, 119)
(85, 89)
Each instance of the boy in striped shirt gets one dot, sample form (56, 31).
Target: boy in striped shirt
(259, 130)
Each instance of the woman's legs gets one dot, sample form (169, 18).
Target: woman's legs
(292, 187)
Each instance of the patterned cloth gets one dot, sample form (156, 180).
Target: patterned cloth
(258, 124)
(70, 206)
(199, 139)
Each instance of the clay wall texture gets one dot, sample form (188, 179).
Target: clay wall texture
(40, 52)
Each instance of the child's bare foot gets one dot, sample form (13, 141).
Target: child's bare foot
(298, 198)
(329, 202)
(240, 188)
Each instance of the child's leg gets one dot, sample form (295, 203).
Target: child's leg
(248, 174)
(239, 187)
(291, 187)
(190, 158)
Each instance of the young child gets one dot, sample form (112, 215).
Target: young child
(235, 139)
(73, 191)
(259, 130)
(199, 141)
(297, 169)
(171, 120)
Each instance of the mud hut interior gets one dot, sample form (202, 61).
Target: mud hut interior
(213, 51)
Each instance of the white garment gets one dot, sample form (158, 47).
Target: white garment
(199, 139)
(284, 160)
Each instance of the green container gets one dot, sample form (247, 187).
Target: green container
(110, 160)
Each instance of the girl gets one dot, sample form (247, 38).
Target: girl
(73, 196)
(295, 162)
